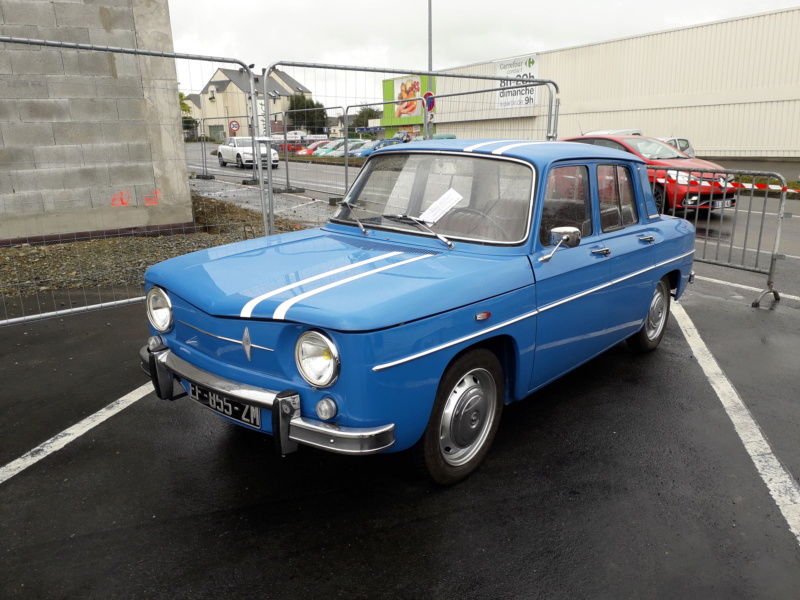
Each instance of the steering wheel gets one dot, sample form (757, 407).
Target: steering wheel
(502, 235)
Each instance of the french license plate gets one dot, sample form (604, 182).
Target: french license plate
(721, 204)
(242, 413)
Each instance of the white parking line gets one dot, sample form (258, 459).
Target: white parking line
(743, 287)
(782, 486)
(65, 437)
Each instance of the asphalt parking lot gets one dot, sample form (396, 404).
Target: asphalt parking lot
(633, 477)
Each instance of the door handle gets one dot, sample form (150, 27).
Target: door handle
(603, 251)
(648, 238)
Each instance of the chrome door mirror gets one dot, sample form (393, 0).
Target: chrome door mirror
(562, 236)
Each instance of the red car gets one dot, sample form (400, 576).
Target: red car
(309, 150)
(684, 182)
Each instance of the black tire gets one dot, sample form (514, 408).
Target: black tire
(649, 336)
(465, 417)
(658, 196)
(239, 162)
(222, 162)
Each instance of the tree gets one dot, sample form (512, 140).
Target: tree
(186, 110)
(306, 114)
(189, 124)
(364, 115)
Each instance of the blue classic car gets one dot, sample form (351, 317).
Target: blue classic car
(457, 276)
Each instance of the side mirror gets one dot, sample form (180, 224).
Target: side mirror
(562, 236)
(568, 236)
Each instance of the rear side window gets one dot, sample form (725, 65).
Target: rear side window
(611, 144)
(616, 196)
(566, 202)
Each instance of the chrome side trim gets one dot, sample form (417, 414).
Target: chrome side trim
(525, 316)
(244, 342)
(456, 342)
(247, 394)
(339, 439)
(280, 312)
(247, 311)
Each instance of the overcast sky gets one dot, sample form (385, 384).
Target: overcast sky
(376, 33)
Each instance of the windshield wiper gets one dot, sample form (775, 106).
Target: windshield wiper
(420, 223)
(352, 214)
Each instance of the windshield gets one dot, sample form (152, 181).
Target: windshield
(653, 149)
(461, 197)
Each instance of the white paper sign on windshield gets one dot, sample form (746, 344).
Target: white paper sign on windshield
(440, 208)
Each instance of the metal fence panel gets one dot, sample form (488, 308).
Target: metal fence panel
(100, 179)
(738, 215)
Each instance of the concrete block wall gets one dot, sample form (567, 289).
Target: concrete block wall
(88, 138)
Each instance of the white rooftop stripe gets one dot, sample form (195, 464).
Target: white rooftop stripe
(512, 146)
(57, 442)
(280, 312)
(247, 311)
(782, 486)
(489, 143)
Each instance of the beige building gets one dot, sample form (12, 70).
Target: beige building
(88, 140)
(732, 87)
(224, 106)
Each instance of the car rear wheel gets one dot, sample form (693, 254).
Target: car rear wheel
(239, 163)
(222, 162)
(465, 417)
(655, 323)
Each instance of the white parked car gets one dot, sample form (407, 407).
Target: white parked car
(681, 144)
(239, 150)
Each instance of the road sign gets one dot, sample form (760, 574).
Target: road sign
(430, 101)
(234, 125)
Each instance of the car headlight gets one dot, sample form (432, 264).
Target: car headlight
(317, 359)
(247, 155)
(681, 177)
(159, 309)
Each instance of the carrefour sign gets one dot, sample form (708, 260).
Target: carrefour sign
(523, 68)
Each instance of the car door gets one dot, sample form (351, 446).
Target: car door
(569, 282)
(629, 244)
(229, 150)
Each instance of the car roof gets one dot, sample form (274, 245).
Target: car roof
(604, 136)
(538, 152)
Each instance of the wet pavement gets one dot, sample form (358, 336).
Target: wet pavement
(624, 479)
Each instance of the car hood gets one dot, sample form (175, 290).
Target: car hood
(695, 164)
(336, 281)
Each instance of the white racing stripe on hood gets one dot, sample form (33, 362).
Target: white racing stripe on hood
(247, 311)
(280, 312)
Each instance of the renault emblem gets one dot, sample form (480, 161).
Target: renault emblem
(246, 343)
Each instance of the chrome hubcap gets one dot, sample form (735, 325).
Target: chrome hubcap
(656, 316)
(467, 417)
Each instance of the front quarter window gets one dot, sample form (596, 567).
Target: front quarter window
(566, 202)
(477, 199)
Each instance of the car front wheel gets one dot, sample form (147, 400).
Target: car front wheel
(222, 162)
(239, 162)
(658, 196)
(655, 323)
(465, 417)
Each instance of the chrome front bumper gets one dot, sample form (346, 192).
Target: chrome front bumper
(166, 371)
